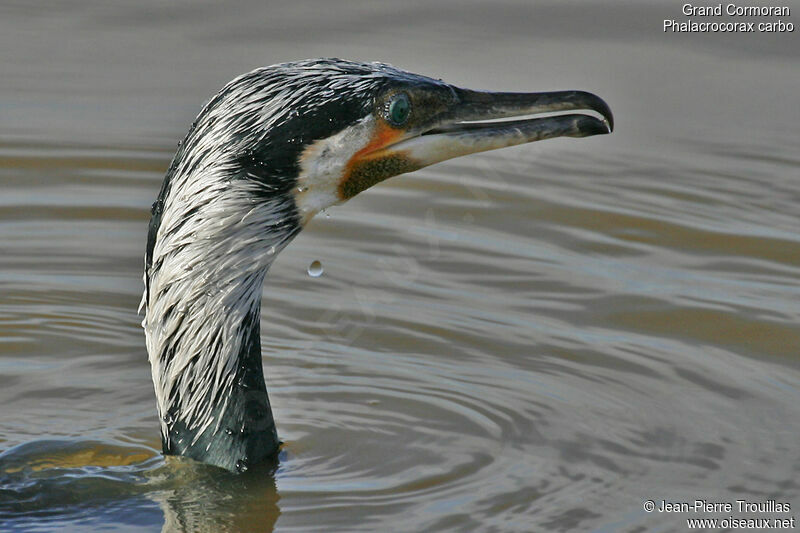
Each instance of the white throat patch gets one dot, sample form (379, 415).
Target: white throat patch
(323, 165)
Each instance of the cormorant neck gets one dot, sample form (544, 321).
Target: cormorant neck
(209, 377)
(203, 307)
(242, 429)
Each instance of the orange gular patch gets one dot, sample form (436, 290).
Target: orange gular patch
(372, 164)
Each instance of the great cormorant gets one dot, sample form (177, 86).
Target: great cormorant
(269, 151)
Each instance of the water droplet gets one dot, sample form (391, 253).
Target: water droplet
(315, 269)
(327, 215)
(228, 431)
(271, 250)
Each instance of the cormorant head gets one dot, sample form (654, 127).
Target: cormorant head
(357, 124)
(382, 122)
(324, 130)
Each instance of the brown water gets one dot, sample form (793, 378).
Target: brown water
(538, 339)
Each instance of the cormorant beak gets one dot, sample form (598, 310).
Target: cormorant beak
(473, 125)
(472, 122)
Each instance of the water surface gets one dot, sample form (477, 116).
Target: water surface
(537, 339)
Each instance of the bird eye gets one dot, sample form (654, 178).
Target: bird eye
(399, 109)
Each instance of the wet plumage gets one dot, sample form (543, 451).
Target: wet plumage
(268, 152)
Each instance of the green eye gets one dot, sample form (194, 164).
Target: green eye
(399, 109)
